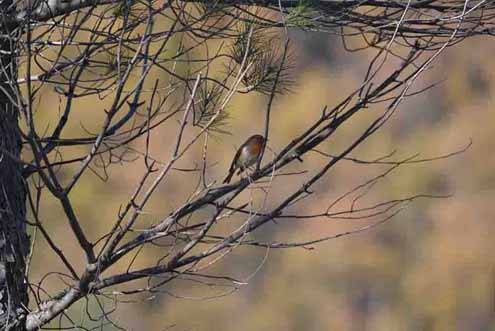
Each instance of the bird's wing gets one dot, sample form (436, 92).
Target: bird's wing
(236, 157)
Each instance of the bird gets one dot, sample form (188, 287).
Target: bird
(247, 155)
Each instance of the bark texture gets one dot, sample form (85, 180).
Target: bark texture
(14, 242)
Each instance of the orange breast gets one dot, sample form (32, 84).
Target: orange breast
(254, 148)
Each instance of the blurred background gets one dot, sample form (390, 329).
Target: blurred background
(429, 268)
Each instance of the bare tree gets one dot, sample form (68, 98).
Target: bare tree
(190, 59)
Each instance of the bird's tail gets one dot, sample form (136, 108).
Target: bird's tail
(229, 177)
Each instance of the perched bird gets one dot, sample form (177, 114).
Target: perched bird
(246, 155)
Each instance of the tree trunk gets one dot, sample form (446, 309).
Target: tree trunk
(14, 241)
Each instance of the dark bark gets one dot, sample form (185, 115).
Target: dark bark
(14, 242)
